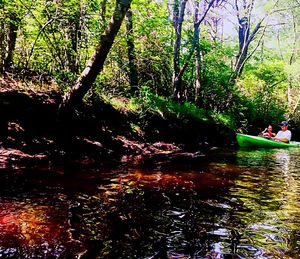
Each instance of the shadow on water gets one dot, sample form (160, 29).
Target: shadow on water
(236, 204)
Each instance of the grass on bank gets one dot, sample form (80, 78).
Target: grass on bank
(148, 102)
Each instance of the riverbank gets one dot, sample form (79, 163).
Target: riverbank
(31, 131)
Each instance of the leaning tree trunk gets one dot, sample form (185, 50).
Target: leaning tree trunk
(96, 62)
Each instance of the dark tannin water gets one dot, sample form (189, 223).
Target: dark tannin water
(233, 204)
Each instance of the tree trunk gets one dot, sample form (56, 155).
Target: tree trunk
(11, 39)
(196, 46)
(245, 37)
(244, 28)
(133, 74)
(96, 62)
(103, 14)
(292, 59)
(197, 53)
(289, 91)
(2, 40)
(198, 67)
(178, 16)
(74, 34)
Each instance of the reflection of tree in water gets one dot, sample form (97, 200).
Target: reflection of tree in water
(290, 208)
(269, 188)
(263, 157)
(160, 215)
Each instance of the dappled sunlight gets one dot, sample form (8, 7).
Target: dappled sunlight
(23, 223)
(166, 181)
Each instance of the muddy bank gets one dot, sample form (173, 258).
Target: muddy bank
(31, 131)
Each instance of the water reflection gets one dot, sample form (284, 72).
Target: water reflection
(30, 223)
(31, 228)
(236, 204)
(272, 198)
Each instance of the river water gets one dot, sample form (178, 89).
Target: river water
(229, 204)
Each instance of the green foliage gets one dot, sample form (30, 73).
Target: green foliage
(58, 38)
(224, 119)
(148, 102)
(265, 87)
(270, 72)
(166, 107)
(217, 92)
(153, 51)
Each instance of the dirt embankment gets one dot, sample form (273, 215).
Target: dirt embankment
(31, 131)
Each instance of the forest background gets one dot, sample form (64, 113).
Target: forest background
(233, 63)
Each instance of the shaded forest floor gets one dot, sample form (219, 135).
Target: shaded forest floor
(33, 133)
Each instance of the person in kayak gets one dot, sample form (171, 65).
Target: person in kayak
(284, 134)
(268, 132)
